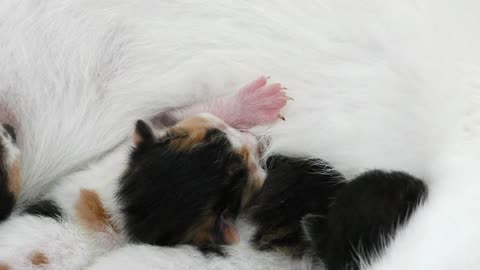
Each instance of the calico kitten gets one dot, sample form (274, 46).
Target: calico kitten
(183, 184)
(198, 174)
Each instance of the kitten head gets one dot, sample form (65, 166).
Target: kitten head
(188, 183)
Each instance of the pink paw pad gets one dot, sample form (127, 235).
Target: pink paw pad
(261, 103)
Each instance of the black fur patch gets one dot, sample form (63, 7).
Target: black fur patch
(7, 199)
(365, 216)
(44, 208)
(215, 250)
(293, 188)
(166, 192)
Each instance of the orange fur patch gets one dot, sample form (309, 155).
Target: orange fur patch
(202, 233)
(254, 184)
(15, 179)
(39, 259)
(90, 211)
(4, 266)
(245, 154)
(190, 132)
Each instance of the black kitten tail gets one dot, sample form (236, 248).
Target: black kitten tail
(365, 216)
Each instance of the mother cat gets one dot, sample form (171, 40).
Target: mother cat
(372, 90)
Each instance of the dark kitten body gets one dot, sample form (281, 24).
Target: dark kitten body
(294, 187)
(305, 206)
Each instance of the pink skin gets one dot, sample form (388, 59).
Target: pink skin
(255, 104)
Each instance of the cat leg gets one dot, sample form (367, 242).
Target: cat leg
(257, 103)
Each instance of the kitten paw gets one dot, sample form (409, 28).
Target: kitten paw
(261, 103)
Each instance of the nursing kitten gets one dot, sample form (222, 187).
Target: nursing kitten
(183, 184)
(197, 175)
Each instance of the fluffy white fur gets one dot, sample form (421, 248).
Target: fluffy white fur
(242, 256)
(377, 84)
(67, 245)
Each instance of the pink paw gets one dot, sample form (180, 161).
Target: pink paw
(261, 103)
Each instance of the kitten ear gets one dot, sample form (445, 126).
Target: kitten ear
(143, 133)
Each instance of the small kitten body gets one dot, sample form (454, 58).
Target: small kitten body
(306, 208)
